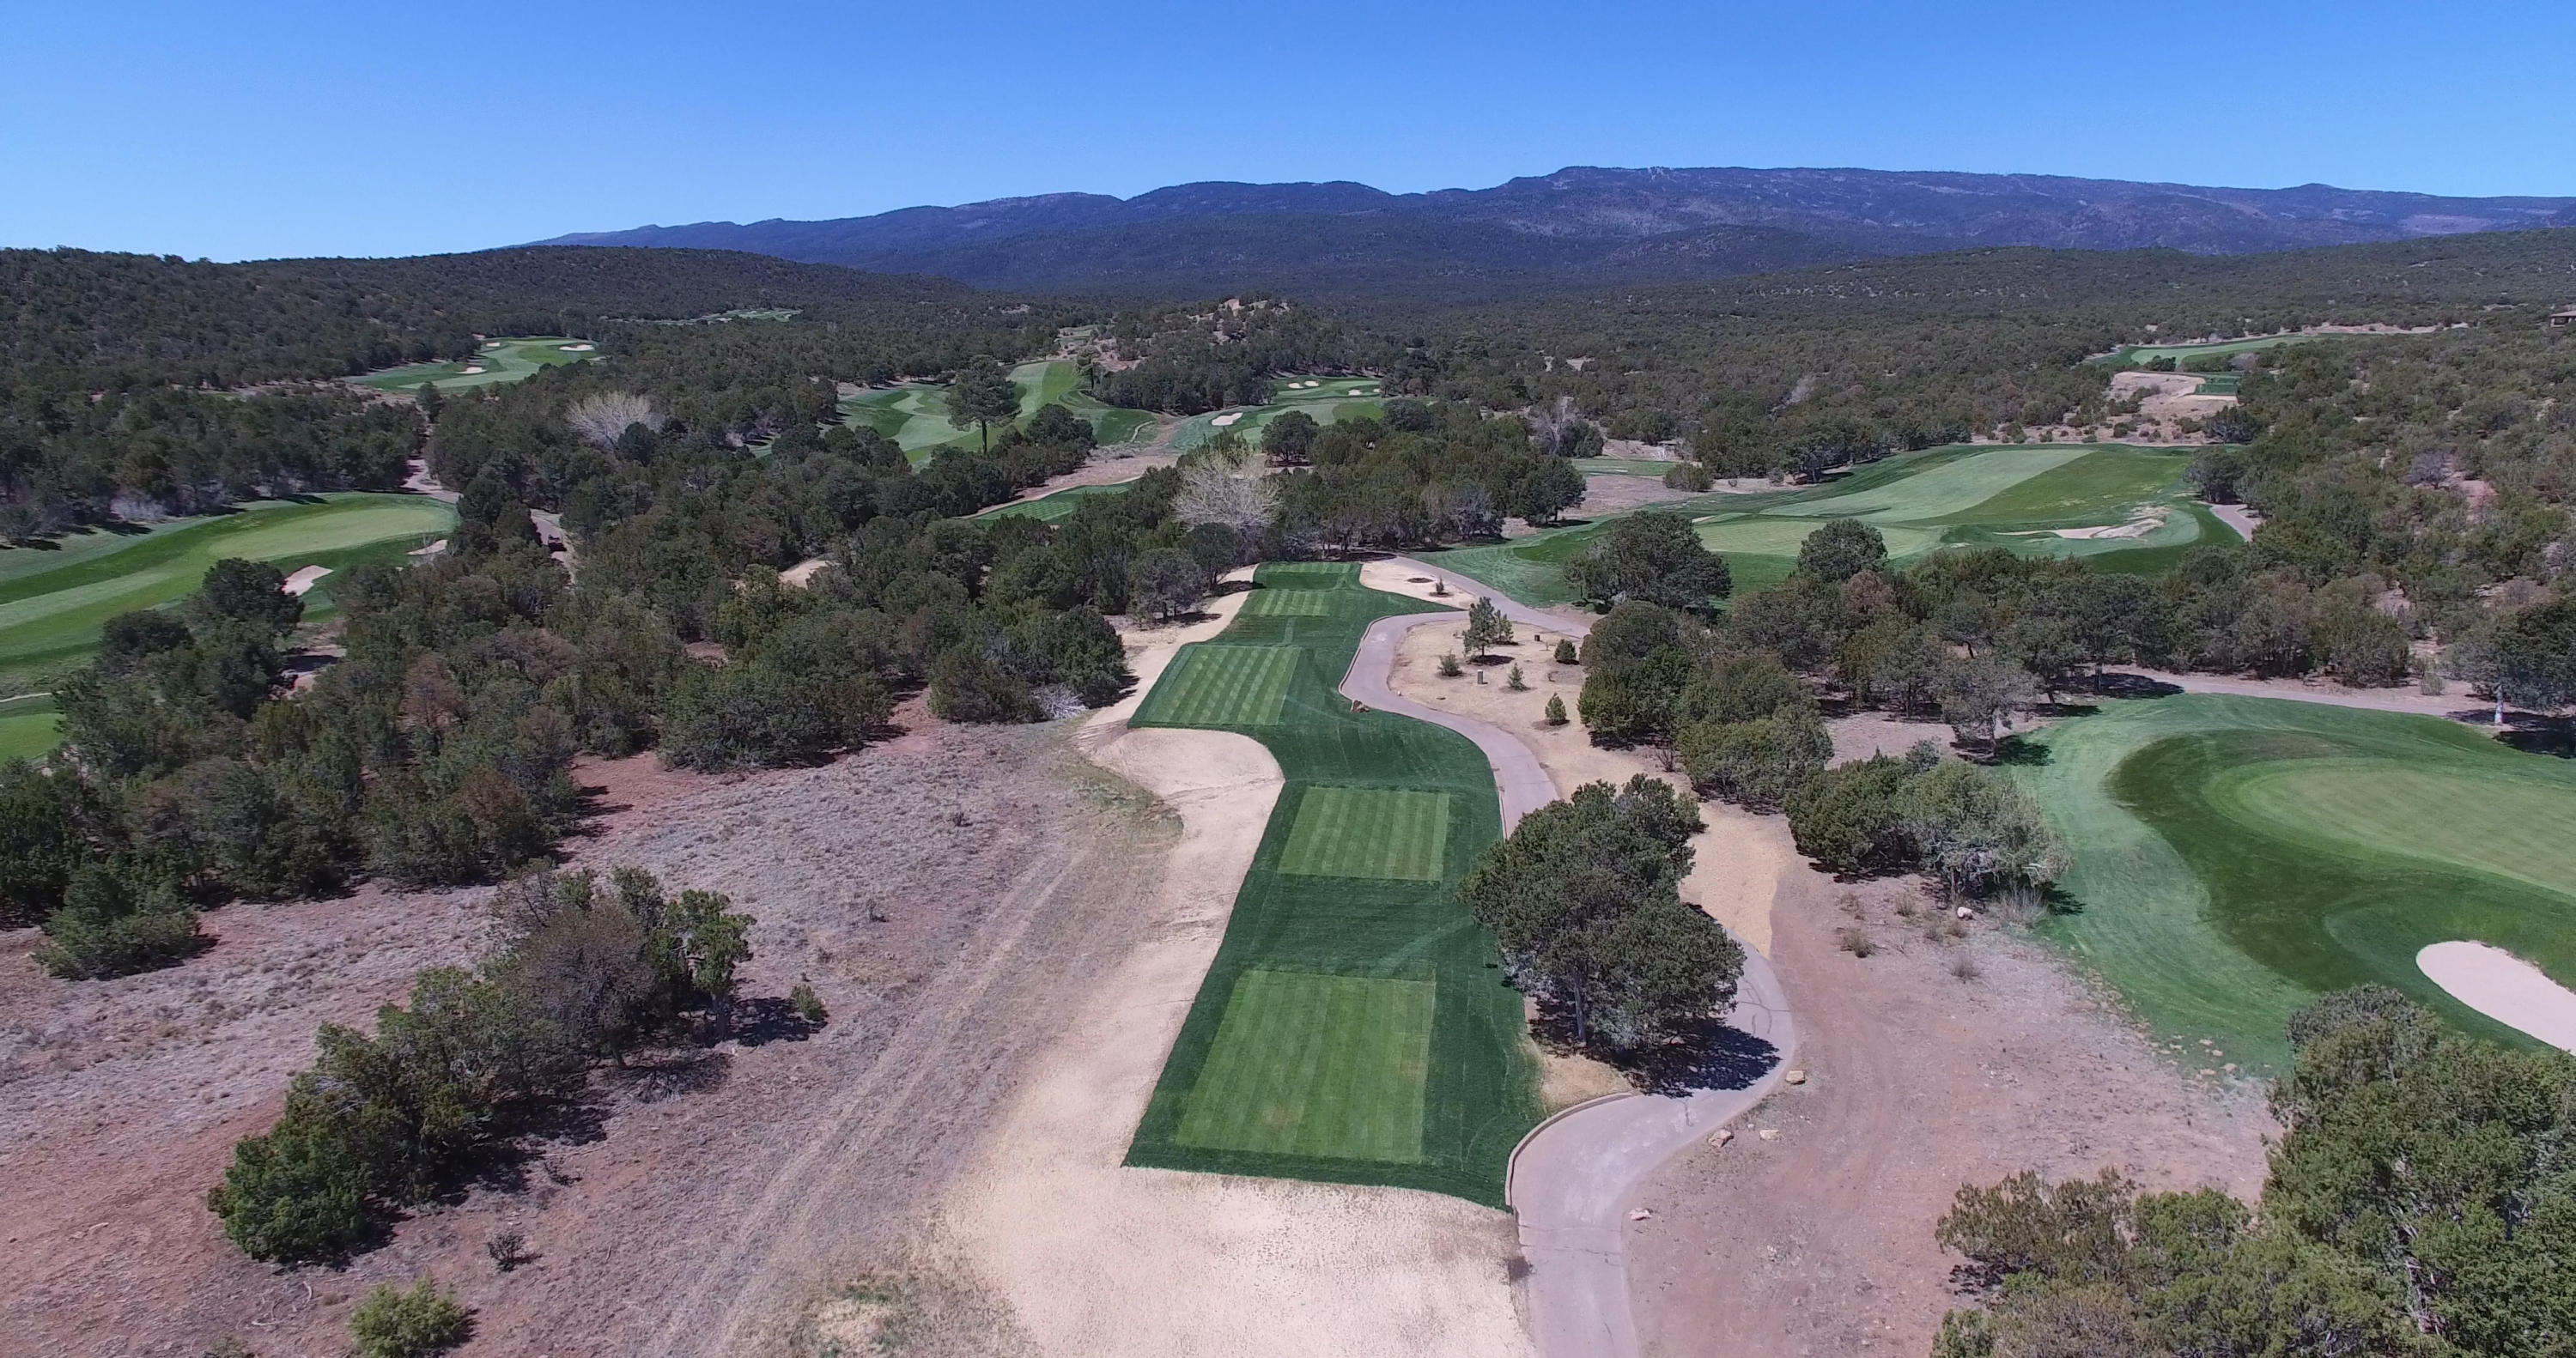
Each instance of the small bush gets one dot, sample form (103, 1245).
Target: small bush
(1449, 667)
(1857, 942)
(107, 927)
(508, 1249)
(1555, 709)
(1689, 476)
(1515, 682)
(393, 1323)
(807, 1004)
(1565, 652)
(1965, 968)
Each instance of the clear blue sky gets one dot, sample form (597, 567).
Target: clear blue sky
(250, 130)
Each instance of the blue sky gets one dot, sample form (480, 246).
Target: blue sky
(250, 130)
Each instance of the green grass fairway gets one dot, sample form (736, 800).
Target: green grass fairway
(1389, 833)
(1353, 1027)
(1317, 1065)
(2012, 496)
(915, 415)
(2234, 857)
(52, 603)
(1288, 603)
(1220, 685)
(513, 359)
(29, 727)
(1061, 504)
(1323, 399)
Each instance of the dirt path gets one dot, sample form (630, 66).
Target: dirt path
(2457, 707)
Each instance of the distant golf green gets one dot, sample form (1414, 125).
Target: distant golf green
(53, 601)
(915, 415)
(29, 726)
(514, 359)
(1354, 1027)
(1323, 399)
(2235, 857)
(2125, 506)
(1062, 503)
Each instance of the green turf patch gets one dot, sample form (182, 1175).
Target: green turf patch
(1212, 684)
(1316, 1065)
(1288, 603)
(1386, 833)
(2235, 857)
(30, 727)
(513, 359)
(1352, 1028)
(53, 602)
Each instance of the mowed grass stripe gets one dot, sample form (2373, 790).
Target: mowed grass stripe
(1385, 833)
(1316, 1065)
(1216, 684)
(1289, 603)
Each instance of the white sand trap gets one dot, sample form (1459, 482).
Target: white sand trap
(432, 549)
(1227, 418)
(2504, 988)
(576, 348)
(493, 345)
(2134, 528)
(802, 573)
(473, 369)
(306, 579)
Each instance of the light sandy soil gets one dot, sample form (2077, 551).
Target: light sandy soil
(1097, 1258)
(1866, 734)
(2168, 398)
(724, 1190)
(1820, 1241)
(2505, 988)
(1611, 492)
(2459, 706)
(1100, 471)
(1415, 580)
(1737, 860)
(305, 579)
(803, 572)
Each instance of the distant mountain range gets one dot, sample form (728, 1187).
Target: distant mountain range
(1576, 226)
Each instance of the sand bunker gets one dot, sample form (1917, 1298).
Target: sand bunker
(2135, 528)
(432, 549)
(2504, 988)
(576, 348)
(1227, 418)
(472, 369)
(306, 579)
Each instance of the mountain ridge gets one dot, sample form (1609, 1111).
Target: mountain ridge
(1581, 224)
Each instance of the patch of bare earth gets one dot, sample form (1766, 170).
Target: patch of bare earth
(947, 893)
(1611, 492)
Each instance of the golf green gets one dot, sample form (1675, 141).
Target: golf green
(52, 603)
(2235, 857)
(512, 359)
(1354, 1026)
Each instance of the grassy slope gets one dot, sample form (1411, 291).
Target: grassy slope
(1961, 495)
(514, 359)
(53, 603)
(29, 727)
(2236, 856)
(1479, 1094)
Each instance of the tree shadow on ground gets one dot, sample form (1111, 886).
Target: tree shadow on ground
(770, 1019)
(1711, 1054)
(2116, 685)
(2020, 750)
(663, 1073)
(2531, 734)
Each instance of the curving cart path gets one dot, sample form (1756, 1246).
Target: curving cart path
(1572, 1178)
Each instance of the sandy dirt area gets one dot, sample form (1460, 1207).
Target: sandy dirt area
(2504, 988)
(1613, 492)
(1917, 1081)
(724, 1192)
(304, 579)
(1736, 861)
(1864, 735)
(1097, 1258)
(2166, 399)
(803, 572)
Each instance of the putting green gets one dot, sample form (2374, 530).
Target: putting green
(52, 603)
(1388, 833)
(1220, 685)
(2235, 857)
(512, 359)
(1354, 1026)
(1323, 1066)
(29, 727)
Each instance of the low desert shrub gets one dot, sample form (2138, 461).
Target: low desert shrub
(394, 1323)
